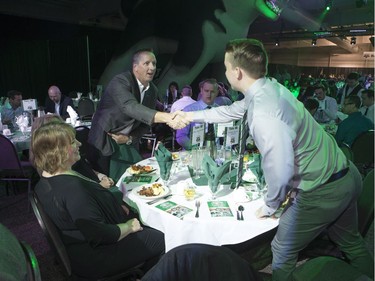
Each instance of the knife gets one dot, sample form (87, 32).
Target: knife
(158, 199)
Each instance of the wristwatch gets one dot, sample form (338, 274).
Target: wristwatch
(130, 140)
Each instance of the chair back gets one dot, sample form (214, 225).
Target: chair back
(365, 204)
(52, 233)
(363, 149)
(9, 158)
(86, 108)
(33, 271)
(347, 151)
(82, 135)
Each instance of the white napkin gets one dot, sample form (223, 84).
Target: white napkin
(72, 114)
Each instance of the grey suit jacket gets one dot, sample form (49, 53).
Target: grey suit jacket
(119, 108)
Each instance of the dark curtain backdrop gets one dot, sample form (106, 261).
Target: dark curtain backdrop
(32, 66)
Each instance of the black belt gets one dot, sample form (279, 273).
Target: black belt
(337, 175)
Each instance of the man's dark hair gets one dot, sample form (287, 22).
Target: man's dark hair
(139, 52)
(353, 76)
(311, 104)
(354, 100)
(12, 93)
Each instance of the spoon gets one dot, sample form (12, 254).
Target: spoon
(241, 209)
(197, 204)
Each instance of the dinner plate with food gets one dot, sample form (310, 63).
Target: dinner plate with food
(151, 191)
(140, 169)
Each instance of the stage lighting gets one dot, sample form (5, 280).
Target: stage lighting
(277, 42)
(329, 5)
(353, 41)
(313, 42)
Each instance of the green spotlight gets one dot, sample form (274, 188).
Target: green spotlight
(328, 8)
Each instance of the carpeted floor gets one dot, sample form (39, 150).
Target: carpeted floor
(14, 215)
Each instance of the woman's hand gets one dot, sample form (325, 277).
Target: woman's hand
(106, 182)
(129, 227)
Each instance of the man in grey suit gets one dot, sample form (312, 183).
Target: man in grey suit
(294, 148)
(125, 113)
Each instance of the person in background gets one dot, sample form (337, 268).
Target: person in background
(368, 104)
(293, 147)
(327, 110)
(58, 103)
(172, 92)
(101, 238)
(209, 91)
(311, 105)
(352, 87)
(355, 124)
(222, 98)
(124, 114)
(8, 114)
(185, 100)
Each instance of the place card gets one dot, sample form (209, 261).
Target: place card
(174, 209)
(221, 128)
(197, 135)
(219, 209)
(232, 137)
(29, 104)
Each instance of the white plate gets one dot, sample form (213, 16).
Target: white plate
(129, 170)
(136, 189)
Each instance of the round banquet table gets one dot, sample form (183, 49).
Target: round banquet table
(207, 228)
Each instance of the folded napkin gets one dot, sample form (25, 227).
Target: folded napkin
(72, 114)
(164, 158)
(214, 172)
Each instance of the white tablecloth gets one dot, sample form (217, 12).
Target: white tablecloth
(205, 229)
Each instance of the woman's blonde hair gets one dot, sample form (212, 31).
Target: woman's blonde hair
(50, 145)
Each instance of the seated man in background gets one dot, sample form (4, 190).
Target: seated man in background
(58, 103)
(8, 115)
(368, 104)
(185, 100)
(351, 88)
(327, 110)
(208, 93)
(355, 124)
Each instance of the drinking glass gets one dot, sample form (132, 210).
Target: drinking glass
(195, 161)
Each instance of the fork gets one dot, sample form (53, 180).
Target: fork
(197, 204)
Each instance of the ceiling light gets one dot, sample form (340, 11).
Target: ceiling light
(277, 42)
(313, 42)
(329, 5)
(353, 41)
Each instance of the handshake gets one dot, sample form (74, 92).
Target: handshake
(179, 119)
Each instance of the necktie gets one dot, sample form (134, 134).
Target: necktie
(210, 130)
(366, 111)
(242, 146)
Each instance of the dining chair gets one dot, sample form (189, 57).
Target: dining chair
(12, 169)
(52, 234)
(86, 108)
(365, 204)
(347, 151)
(363, 151)
(82, 135)
(33, 271)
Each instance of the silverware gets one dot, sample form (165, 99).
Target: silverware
(197, 204)
(159, 199)
(241, 209)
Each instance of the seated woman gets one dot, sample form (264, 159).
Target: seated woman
(100, 237)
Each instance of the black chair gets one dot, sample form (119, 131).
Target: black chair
(33, 271)
(347, 151)
(12, 169)
(82, 135)
(86, 108)
(363, 151)
(202, 262)
(366, 204)
(52, 234)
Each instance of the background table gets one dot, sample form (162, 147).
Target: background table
(205, 229)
